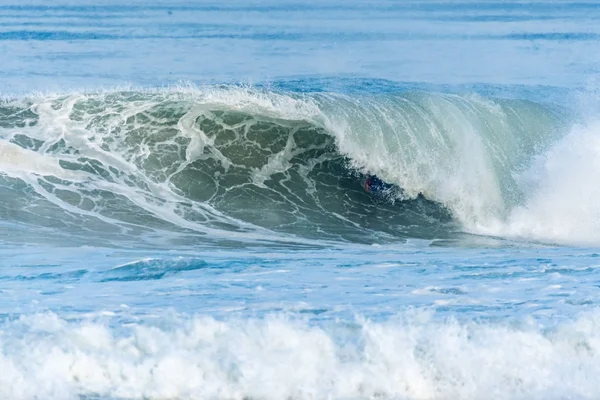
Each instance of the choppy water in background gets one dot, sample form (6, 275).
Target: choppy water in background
(182, 214)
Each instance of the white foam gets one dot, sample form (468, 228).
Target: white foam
(562, 193)
(17, 161)
(411, 357)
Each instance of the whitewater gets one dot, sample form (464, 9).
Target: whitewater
(183, 212)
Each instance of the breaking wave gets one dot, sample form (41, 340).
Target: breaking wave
(233, 163)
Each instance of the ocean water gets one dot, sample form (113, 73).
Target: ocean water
(182, 213)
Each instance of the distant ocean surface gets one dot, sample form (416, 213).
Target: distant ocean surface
(182, 210)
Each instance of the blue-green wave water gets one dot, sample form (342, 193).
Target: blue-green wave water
(253, 164)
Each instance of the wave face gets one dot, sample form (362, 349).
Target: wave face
(236, 163)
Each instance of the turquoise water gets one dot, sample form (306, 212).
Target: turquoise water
(182, 213)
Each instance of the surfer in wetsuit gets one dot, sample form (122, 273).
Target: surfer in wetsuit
(372, 184)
